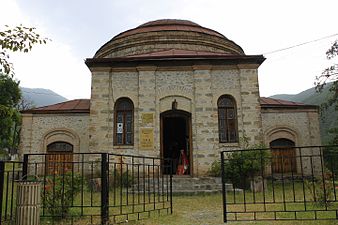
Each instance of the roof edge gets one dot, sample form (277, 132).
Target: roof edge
(221, 59)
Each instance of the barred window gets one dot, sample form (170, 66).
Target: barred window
(227, 119)
(124, 117)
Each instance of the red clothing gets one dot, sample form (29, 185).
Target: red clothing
(183, 164)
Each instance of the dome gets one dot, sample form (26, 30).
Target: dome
(168, 36)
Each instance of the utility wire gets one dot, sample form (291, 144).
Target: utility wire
(304, 43)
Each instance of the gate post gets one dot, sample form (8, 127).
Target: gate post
(223, 189)
(25, 167)
(104, 189)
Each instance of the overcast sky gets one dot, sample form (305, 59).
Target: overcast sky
(79, 27)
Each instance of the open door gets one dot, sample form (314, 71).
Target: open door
(175, 137)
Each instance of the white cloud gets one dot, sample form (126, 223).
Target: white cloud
(53, 66)
(258, 26)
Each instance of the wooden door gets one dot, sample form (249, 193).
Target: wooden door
(283, 160)
(59, 159)
(283, 154)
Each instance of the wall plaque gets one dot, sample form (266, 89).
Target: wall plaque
(147, 118)
(146, 138)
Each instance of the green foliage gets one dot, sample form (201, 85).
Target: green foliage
(216, 169)
(321, 189)
(330, 155)
(59, 193)
(9, 116)
(330, 74)
(14, 39)
(19, 38)
(241, 165)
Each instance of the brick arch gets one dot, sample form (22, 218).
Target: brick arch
(281, 132)
(61, 135)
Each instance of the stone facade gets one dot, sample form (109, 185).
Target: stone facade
(40, 130)
(196, 90)
(172, 70)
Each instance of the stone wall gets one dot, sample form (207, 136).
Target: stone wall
(39, 130)
(298, 125)
(196, 90)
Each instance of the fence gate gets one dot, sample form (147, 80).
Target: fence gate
(254, 190)
(98, 188)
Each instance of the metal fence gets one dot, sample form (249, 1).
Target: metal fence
(293, 183)
(98, 188)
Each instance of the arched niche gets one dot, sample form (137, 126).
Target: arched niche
(62, 135)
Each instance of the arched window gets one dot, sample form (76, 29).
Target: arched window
(124, 117)
(227, 119)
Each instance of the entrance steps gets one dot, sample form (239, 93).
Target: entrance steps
(183, 185)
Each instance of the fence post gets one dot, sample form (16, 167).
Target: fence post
(25, 167)
(223, 189)
(104, 189)
(2, 179)
(171, 185)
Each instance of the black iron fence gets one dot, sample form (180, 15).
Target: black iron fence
(9, 172)
(290, 183)
(96, 188)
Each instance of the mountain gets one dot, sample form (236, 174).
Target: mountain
(328, 117)
(41, 97)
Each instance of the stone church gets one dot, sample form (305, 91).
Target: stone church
(167, 86)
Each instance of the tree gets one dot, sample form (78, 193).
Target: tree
(330, 74)
(15, 39)
(19, 38)
(9, 116)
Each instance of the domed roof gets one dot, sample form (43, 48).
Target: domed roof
(168, 35)
(169, 24)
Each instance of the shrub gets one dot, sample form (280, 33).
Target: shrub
(321, 189)
(59, 193)
(330, 155)
(242, 165)
(215, 170)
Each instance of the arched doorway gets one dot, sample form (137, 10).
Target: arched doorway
(60, 157)
(283, 156)
(176, 136)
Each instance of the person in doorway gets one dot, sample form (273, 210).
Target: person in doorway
(183, 165)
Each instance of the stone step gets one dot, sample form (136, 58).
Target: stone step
(183, 185)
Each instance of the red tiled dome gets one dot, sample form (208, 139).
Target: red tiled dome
(169, 24)
(168, 34)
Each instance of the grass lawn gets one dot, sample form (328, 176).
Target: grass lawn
(203, 210)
